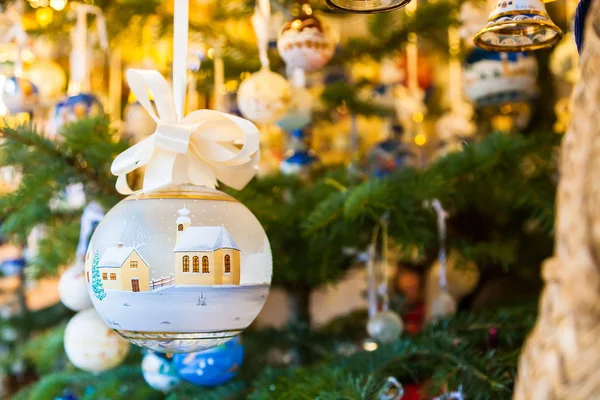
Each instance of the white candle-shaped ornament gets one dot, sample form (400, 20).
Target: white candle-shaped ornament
(80, 69)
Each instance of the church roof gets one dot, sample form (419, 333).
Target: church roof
(204, 238)
(114, 257)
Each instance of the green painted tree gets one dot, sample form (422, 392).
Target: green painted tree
(96, 280)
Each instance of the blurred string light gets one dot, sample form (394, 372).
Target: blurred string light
(43, 16)
(420, 139)
(58, 5)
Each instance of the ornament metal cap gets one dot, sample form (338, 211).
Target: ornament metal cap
(518, 25)
(366, 6)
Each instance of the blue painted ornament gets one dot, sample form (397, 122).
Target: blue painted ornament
(67, 394)
(12, 266)
(579, 22)
(159, 371)
(299, 160)
(390, 154)
(19, 95)
(497, 78)
(76, 107)
(211, 367)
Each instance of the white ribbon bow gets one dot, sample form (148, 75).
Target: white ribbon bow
(201, 148)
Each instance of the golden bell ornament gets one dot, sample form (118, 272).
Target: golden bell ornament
(518, 25)
(367, 6)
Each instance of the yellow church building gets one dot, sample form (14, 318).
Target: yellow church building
(204, 255)
(123, 268)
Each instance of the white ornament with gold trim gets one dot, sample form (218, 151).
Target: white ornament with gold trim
(264, 97)
(72, 289)
(91, 345)
(518, 25)
(306, 43)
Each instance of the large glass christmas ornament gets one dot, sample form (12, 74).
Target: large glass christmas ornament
(72, 289)
(385, 326)
(367, 6)
(91, 345)
(159, 371)
(76, 107)
(299, 113)
(390, 154)
(518, 25)
(180, 269)
(305, 43)
(48, 77)
(19, 95)
(492, 78)
(211, 367)
(264, 97)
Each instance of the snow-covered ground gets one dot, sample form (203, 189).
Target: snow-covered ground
(183, 309)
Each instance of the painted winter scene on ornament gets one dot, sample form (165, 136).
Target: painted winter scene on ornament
(182, 269)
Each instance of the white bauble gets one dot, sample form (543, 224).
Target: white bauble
(91, 345)
(72, 289)
(305, 43)
(138, 123)
(19, 95)
(300, 112)
(441, 306)
(264, 97)
(193, 270)
(385, 326)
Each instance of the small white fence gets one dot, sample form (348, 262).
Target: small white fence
(162, 282)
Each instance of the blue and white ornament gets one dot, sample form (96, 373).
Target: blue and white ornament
(496, 78)
(298, 159)
(19, 95)
(76, 107)
(211, 367)
(12, 266)
(390, 154)
(160, 372)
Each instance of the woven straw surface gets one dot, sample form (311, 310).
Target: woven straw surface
(561, 357)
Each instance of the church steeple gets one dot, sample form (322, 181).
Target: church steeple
(183, 221)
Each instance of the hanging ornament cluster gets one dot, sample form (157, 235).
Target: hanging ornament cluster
(265, 96)
(492, 78)
(89, 343)
(305, 42)
(80, 103)
(206, 368)
(178, 266)
(518, 25)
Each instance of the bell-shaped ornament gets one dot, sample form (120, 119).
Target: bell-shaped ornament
(518, 25)
(367, 6)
